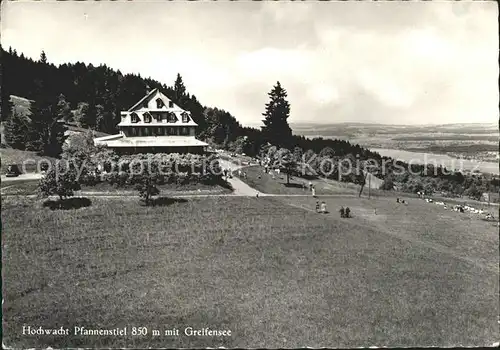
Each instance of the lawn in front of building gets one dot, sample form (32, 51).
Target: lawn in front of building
(271, 270)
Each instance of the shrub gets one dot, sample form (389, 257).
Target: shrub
(388, 184)
(146, 181)
(60, 180)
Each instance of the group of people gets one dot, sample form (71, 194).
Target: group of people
(401, 201)
(345, 213)
(242, 174)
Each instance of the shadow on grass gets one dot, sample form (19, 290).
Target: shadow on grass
(165, 201)
(293, 185)
(68, 203)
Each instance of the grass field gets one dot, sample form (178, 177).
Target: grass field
(270, 269)
(265, 183)
(277, 185)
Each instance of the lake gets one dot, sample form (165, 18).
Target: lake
(439, 159)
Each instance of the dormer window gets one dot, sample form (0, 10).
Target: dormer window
(185, 118)
(147, 118)
(171, 118)
(134, 118)
(159, 103)
(170, 104)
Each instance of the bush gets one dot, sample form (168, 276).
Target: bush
(388, 184)
(60, 180)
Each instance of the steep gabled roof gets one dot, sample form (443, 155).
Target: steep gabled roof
(141, 101)
(153, 94)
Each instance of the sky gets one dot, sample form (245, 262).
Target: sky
(374, 62)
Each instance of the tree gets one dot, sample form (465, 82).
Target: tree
(16, 130)
(100, 117)
(61, 180)
(276, 129)
(298, 154)
(429, 189)
(474, 192)
(179, 89)
(241, 145)
(43, 57)
(7, 107)
(46, 134)
(327, 152)
(82, 116)
(271, 156)
(388, 183)
(287, 162)
(146, 177)
(64, 109)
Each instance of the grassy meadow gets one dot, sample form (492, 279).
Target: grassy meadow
(270, 269)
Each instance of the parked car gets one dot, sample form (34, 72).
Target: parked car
(13, 170)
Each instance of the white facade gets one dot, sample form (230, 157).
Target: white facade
(155, 122)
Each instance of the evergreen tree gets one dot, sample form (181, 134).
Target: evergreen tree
(46, 134)
(43, 57)
(64, 109)
(276, 129)
(16, 130)
(179, 89)
(7, 106)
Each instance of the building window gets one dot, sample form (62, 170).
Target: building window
(134, 118)
(147, 118)
(172, 118)
(170, 104)
(184, 131)
(171, 131)
(159, 103)
(185, 118)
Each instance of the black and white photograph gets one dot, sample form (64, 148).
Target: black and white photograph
(249, 174)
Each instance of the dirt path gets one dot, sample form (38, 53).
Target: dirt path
(28, 176)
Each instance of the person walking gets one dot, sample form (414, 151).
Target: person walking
(347, 212)
(313, 191)
(317, 207)
(341, 211)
